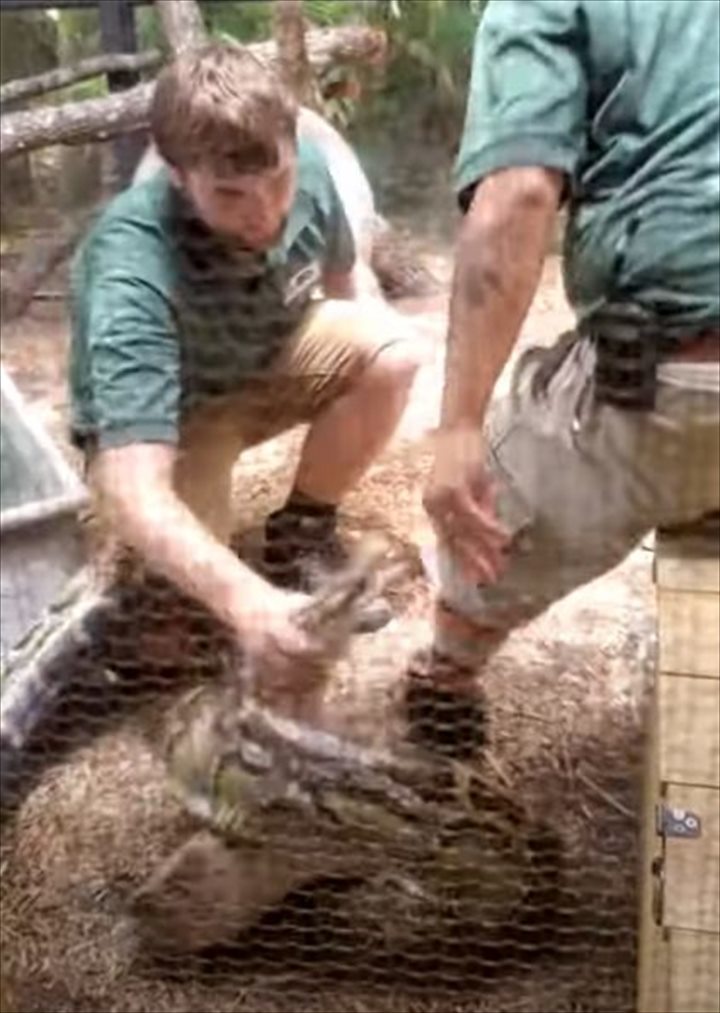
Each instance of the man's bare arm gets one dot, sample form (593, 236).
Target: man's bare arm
(499, 258)
(136, 486)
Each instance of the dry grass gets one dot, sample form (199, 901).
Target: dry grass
(567, 712)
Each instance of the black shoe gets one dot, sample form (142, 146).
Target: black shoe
(446, 719)
(302, 549)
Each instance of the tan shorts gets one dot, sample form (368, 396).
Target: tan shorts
(580, 484)
(320, 363)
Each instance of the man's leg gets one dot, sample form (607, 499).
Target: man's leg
(348, 373)
(580, 484)
(350, 432)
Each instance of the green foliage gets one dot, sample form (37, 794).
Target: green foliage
(431, 47)
(430, 44)
(424, 83)
(246, 22)
(328, 13)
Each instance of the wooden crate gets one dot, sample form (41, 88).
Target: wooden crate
(680, 919)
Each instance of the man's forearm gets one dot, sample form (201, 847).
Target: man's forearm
(141, 507)
(173, 543)
(499, 258)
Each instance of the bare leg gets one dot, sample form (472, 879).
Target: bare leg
(348, 436)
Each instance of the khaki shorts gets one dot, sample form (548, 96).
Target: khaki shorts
(321, 362)
(580, 484)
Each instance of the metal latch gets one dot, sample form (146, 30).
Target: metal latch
(671, 822)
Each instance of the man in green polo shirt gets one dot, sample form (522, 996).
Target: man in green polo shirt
(614, 108)
(214, 307)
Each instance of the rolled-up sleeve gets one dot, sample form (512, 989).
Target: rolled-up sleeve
(528, 90)
(341, 253)
(133, 351)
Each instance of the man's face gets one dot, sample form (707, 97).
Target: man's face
(250, 209)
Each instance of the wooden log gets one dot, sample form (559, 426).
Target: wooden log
(76, 122)
(62, 77)
(182, 24)
(295, 69)
(101, 119)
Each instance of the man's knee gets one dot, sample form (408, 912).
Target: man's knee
(394, 367)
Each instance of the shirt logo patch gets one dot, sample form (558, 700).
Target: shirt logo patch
(299, 286)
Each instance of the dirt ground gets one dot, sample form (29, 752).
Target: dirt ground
(567, 697)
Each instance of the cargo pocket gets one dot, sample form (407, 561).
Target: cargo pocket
(511, 505)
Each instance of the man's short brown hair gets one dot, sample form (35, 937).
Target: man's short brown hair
(219, 106)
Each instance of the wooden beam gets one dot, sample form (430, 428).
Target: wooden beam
(96, 119)
(693, 971)
(63, 77)
(295, 70)
(117, 33)
(43, 5)
(692, 867)
(101, 119)
(689, 730)
(182, 24)
(689, 634)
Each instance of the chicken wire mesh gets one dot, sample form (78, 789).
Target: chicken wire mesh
(317, 864)
(180, 848)
(172, 843)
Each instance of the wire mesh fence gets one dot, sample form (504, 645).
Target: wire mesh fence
(175, 840)
(183, 847)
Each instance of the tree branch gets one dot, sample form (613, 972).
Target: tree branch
(101, 119)
(62, 77)
(294, 67)
(76, 122)
(182, 24)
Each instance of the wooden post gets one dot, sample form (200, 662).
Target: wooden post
(182, 24)
(118, 35)
(294, 66)
(680, 927)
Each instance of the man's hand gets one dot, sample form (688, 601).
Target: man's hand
(460, 503)
(499, 257)
(282, 658)
(145, 512)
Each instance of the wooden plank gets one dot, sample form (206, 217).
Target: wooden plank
(39, 5)
(688, 562)
(653, 957)
(654, 982)
(694, 972)
(689, 633)
(677, 572)
(692, 867)
(118, 35)
(689, 736)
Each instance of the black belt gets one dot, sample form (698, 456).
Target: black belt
(630, 345)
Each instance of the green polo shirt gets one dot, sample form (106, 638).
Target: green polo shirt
(623, 96)
(166, 315)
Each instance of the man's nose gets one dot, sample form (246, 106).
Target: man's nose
(260, 206)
